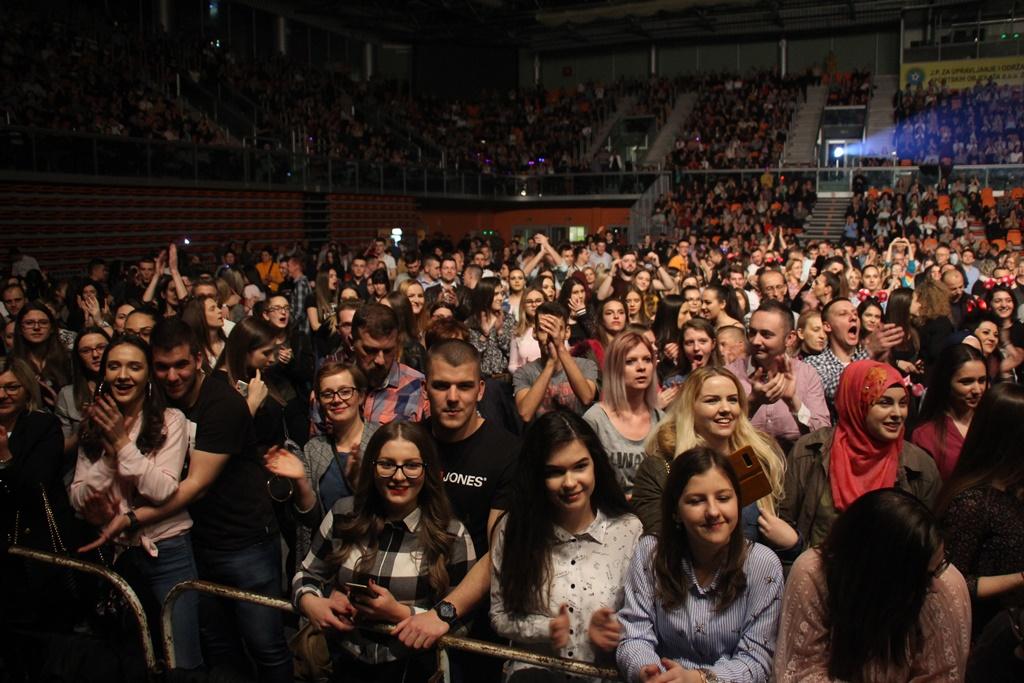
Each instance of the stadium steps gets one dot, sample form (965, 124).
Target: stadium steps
(803, 132)
(666, 138)
(623, 106)
(826, 222)
(878, 140)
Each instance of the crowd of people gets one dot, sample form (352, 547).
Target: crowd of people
(977, 125)
(738, 121)
(55, 76)
(719, 454)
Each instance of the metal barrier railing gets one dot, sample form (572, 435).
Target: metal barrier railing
(570, 666)
(116, 580)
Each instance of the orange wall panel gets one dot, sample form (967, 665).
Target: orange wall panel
(458, 222)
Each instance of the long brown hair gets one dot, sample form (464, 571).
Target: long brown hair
(671, 582)
(151, 433)
(360, 531)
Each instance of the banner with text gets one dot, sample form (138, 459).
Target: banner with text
(964, 73)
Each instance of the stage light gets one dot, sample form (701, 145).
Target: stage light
(838, 152)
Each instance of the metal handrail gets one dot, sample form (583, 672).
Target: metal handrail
(571, 666)
(134, 604)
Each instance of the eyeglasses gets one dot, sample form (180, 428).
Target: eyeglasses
(342, 393)
(11, 388)
(90, 350)
(534, 302)
(386, 469)
(943, 566)
(35, 323)
(276, 309)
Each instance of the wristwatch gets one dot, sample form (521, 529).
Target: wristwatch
(133, 521)
(447, 612)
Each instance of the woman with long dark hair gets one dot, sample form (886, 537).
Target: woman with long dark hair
(295, 356)
(206, 319)
(702, 602)
(397, 537)
(720, 307)
(132, 448)
(490, 328)
(891, 609)
(958, 380)
(87, 355)
(1001, 301)
(575, 296)
(900, 312)
(981, 507)
(37, 342)
(322, 308)
(668, 321)
(698, 346)
(413, 354)
(565, 489)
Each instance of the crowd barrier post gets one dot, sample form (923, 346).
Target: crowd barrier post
(570, 666)
(116, 580)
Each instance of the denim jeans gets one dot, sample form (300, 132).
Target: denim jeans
(226, 624)
(175, 563)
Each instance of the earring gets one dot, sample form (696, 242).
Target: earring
(149, 389)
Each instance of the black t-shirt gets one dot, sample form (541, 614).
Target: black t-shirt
(478, 476)
(236, 511)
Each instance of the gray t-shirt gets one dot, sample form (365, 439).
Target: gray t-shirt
(624, 454)
(559, 392)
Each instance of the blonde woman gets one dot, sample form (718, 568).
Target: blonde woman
(524, 347)
(414, 292)
(628, 411)
(712, 411)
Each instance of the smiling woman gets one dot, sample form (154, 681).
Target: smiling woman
(830, 468)
(701, 600)
(131, 453)
(396, 540)
(565, 491)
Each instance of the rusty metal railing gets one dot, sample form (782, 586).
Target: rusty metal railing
(153, 667)
(570, 666)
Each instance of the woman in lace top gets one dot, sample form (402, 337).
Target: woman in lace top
(915, 626)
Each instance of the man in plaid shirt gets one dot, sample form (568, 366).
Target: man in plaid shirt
(841, 323)
(300, 290)
(396, 391)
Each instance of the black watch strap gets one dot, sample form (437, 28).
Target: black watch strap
(133, 521)
(446, 612)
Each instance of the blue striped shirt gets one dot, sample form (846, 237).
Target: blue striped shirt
(736, 644)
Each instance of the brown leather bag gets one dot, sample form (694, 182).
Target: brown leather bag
(754, 484)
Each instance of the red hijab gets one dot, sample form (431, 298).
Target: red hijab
(859, 462)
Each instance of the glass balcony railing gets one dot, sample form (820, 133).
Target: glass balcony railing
(86, 157)
(94, 156)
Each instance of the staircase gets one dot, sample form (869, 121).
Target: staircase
(666, 138)
(640, 212)
(803, 132)
(623, 106)
(826, 222)
(878, 131)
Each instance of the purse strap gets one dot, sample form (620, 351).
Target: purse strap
(55, 538)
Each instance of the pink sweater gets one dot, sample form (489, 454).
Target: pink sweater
(138, 479)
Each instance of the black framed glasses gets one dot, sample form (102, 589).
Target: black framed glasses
(275, 309)
(386, 469)
(342, 393)
(11, 388)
